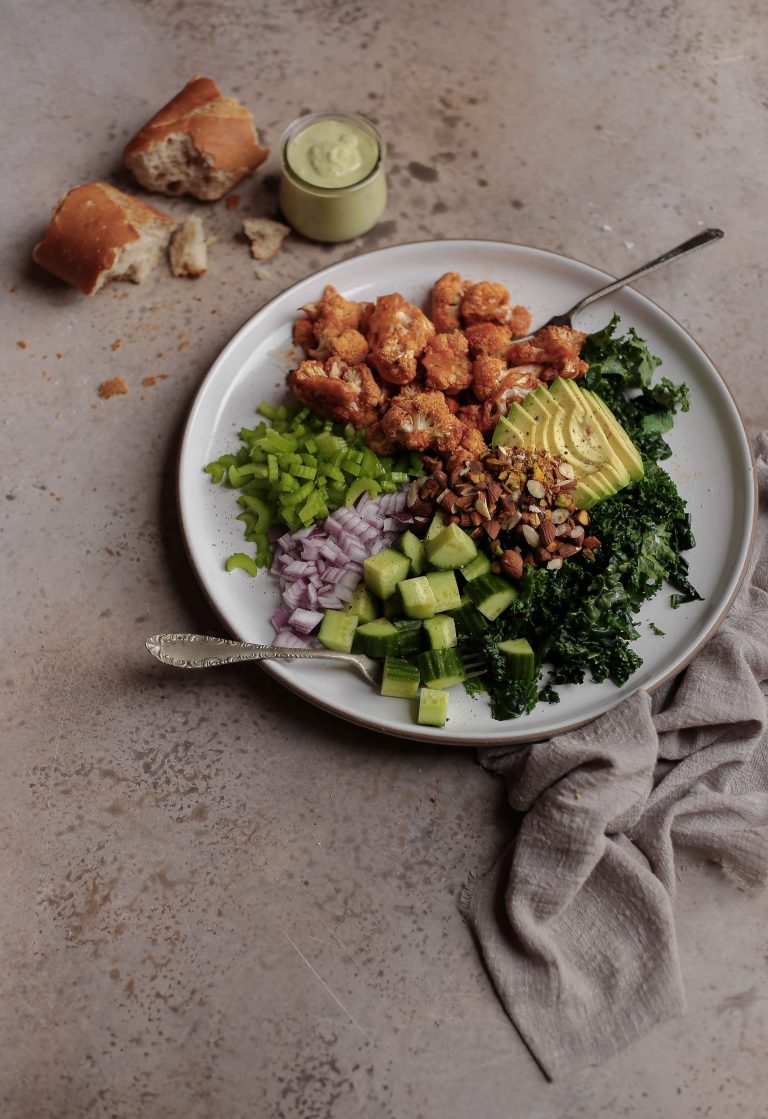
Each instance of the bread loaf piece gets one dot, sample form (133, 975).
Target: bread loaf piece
(97, 233)
(200, 143)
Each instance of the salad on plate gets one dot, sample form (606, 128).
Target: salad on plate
(436, 489)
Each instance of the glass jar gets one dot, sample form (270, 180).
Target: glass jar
(332, 181)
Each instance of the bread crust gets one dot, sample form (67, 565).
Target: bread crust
(88, 227)
(219, 127)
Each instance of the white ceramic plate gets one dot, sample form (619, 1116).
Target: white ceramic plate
(711, 464)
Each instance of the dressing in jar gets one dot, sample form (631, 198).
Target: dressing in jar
(332, 183)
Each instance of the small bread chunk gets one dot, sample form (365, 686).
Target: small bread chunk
(200, 143)
(97, 234)
(266, 236)
(188, 251)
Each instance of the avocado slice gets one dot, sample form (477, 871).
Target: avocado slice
(558, 437)
(516, 429)
(616, 434)
(587, 432)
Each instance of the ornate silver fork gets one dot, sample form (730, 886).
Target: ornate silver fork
(195, 650)
(689, 246)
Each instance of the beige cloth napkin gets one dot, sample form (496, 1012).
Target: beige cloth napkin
(575, 921)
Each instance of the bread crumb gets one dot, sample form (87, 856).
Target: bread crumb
(266, 236)
(188, 251)
(233, 202)
(22, 344)
(13, 286)
(114, 386)
(117, 344)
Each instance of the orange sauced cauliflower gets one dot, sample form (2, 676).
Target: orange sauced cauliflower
(398, 333)
(447, 295)
(448, 368)
(343, 392)
(422, 422)
(555, 349)
(331, 327)
(436, 385)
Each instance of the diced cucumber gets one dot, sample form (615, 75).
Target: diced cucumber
(520, 658)
(384, 571)
(491, 595)
(433, 708)
(364, 604)
(401, 678)
(441, 668)
(407, 641)
(337, 630)
(393, 607)
(413, 548)
(480, 565)
(418, 597)
(371, 638)
(451, 548)
(436, 526)
(440, 631)
(445, 589)
(469, 621)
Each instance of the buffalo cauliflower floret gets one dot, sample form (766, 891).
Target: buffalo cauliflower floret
(378, 440)
(448, 367)
(515, 386)
(519, 320)
(331, 327)
(398, 333)
(487, 375)
(472, 447)
(447, 294)
(485, 302)
(334, 388)
(422, 422)
(481, 418)
(489, 338)
(555, 348)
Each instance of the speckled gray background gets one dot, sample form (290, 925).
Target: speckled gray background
(218, 901)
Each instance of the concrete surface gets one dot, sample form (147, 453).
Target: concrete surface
(218, 901)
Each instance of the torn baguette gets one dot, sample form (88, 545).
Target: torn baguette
(200, 143)
(266, 236)
(188, 250)
(97, 234)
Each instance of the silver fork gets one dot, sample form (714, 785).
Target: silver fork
(195, 650)
(689, 246)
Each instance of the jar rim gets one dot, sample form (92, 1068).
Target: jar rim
(298, 125)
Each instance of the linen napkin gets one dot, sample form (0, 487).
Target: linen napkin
(575, 921)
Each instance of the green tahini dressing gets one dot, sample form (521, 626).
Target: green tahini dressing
(332, 154)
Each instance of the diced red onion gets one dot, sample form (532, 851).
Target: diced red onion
(320, 566)
(304, 621)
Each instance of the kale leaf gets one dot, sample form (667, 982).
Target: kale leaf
(621, 372)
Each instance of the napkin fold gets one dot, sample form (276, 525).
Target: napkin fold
(575, 921)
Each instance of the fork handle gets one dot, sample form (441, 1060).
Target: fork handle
(689, 246)
(195, 650)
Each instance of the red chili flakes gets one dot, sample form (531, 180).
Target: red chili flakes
(233, 202)
(21, 344)
(148, 382)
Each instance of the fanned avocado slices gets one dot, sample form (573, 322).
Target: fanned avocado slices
(578, 426)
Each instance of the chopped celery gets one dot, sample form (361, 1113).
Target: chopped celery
(299, 467)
